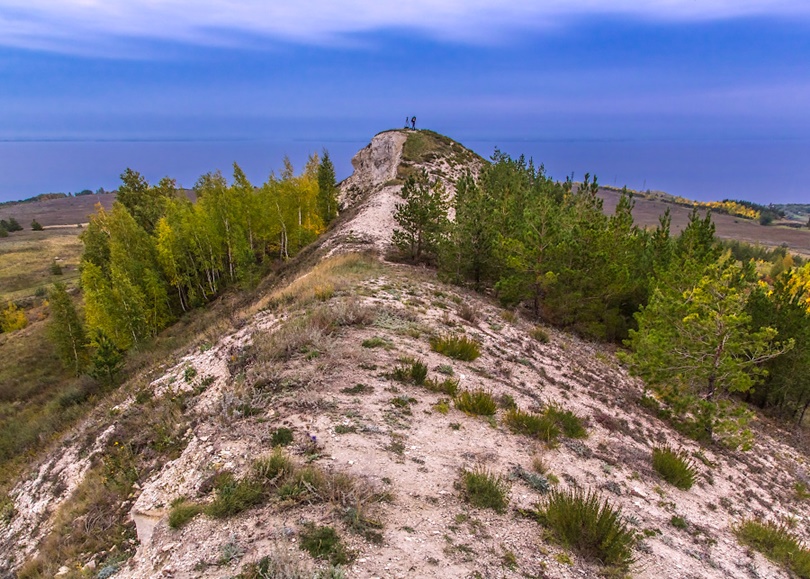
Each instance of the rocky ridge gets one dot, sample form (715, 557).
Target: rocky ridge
(406, 441)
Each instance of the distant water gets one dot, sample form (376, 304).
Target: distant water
(762, 171)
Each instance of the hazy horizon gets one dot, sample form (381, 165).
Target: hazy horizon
(755, 170)
(730, 78)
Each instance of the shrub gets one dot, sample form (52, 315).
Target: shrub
(674, 467)
(456, 347)
(410, 371)
(35, 225)
(477, 402)
(447, 386)
(55, 268)
(324, 543)
(12, 318)
(570, 423)
(485, 490)
(540, 335)
(182, 512)
(537, 426)
(303, 485)
(281, 437)
(377, 342)
(234, 496)
(590, 526)
(777, 543)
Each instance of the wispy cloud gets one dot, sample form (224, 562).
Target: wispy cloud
(71, 25)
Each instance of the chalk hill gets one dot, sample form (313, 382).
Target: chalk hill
(340, 364)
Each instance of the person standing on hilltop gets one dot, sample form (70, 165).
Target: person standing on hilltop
(413, 122)
(407, 122)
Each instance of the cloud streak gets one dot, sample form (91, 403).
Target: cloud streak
(88, 25)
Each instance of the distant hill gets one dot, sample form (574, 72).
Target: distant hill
(59, 211)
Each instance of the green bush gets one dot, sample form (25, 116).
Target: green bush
(485, 490)
(675, 467)
(593, 528)
(281, 437)
(777, 543)
(456, 347)
(274, 467)
(377, 342)
(570, 423)
(537, 426)
(324, 543)
(547, 426)
(182, 512)
(540, 335)
(234, 496)
(410, 370)
(303, 485)
(447, 386)
(477, 402)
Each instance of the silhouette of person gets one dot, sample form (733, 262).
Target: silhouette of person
(407, 122)
(413, 122)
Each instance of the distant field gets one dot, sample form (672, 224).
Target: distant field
(65, 211)
(647, 211)
(26, 258)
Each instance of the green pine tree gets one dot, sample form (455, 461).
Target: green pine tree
(421, 217)
(107, 360)
(327, 189)
(696, 347)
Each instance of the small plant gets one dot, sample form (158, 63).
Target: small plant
(189, 374)
(345, 429)
(281, 437)
(478, 402)
(537, 426)
(445, 369)
(442, 406)
(273, 468)
(410, 371)
(36, 226)
(456, 347)
(455, 426)
(358, 389)
(182, 512)
(324, 543)
(447, 386)
(507, 402)
(590, 526)
(801, 491)
(678, 522)
(234, 496)
(570, 423)
(540, 335)
(485, 490)
(377, 342)
(535, 481)
(56, 268)
(675, 467)
(777, 543)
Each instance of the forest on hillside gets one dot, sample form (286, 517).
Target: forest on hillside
(709, 325)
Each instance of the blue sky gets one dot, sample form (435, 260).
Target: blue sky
(486, 72)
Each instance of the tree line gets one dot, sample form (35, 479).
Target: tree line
(703, 328)
(156, 254)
